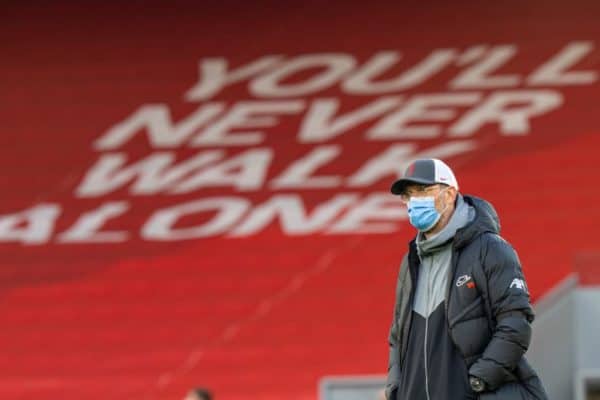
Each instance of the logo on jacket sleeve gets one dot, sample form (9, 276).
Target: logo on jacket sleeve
(519, 284)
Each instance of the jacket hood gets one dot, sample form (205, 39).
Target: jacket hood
(486, 220)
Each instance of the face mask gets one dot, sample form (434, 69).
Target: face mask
(422, 213)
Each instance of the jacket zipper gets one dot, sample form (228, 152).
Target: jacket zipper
(425, 355)
(427, 332)
(451, 274)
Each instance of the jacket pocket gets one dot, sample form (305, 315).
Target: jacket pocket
(473, 310)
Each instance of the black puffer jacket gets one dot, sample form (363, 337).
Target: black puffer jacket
(490, 326)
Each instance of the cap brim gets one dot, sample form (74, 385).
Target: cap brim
(399, 186)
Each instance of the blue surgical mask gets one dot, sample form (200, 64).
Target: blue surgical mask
(422, 213)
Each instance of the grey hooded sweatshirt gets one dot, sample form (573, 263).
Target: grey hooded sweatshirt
(435, 370)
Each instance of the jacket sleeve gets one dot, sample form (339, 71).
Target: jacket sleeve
(393, 375)
(511, 310)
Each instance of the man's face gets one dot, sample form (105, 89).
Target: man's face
(442, 194)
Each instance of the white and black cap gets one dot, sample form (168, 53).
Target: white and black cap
(426, 171)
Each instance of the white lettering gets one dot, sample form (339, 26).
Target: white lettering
(39, 223)
(334, 67)
(375, 206)
(503, 108)
(292, 216)
(214, 75)
(246, 171)
(554, 71)
(246, 114)
(320, 125)
(298, 174)
(395, 159)
(228, 210)
(478, 75)
(156, 120)
(426, 107)
(87, 228)
(361, 81)
(152, 174)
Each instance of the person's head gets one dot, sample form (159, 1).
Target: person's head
(429, 189)
(199, 394)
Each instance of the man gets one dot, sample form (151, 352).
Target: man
(462, 315)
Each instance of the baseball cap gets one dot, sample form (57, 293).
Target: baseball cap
(427, 171)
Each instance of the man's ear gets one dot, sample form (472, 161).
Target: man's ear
(454, 194)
